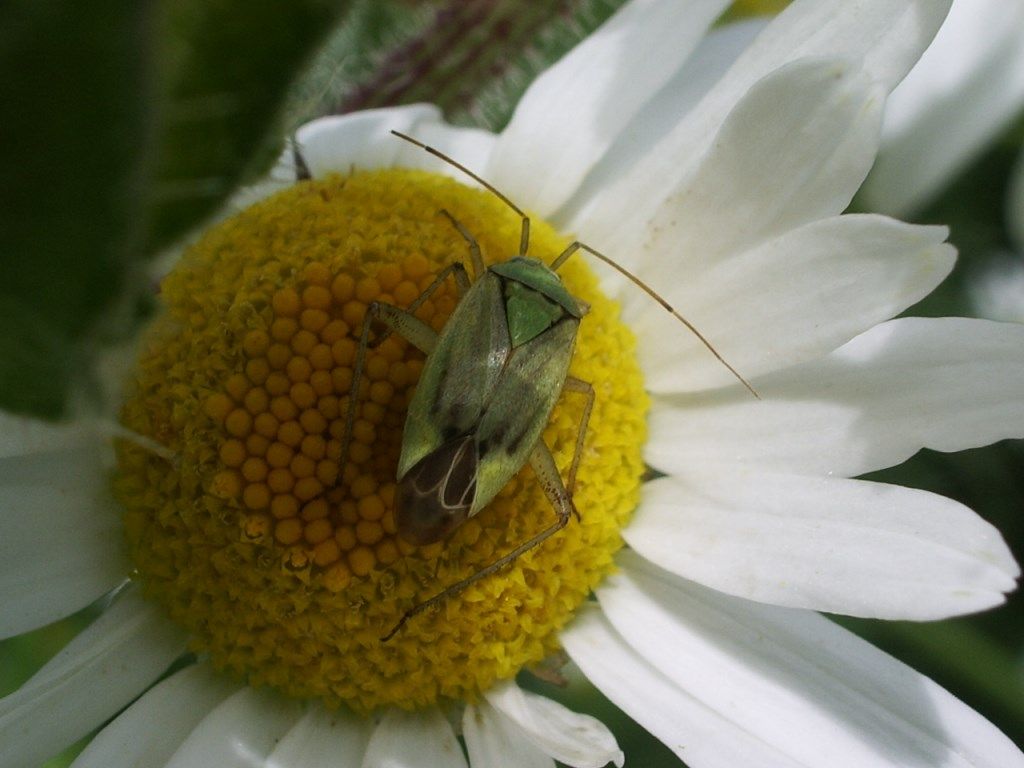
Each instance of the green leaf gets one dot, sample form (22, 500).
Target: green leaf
(473, 59)
(227, 67)
(125, 124)
(75, 133)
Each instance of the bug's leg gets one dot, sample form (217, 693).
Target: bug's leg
(586, 389)
(461, 284)
(551, 482)
(410, 327)
(544, 468)
(474, 247)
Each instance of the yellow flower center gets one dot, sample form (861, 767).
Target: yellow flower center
(287, 570)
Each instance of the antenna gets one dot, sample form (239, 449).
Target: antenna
(524, 235)
(578, 246)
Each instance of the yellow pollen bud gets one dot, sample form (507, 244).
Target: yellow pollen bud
(286, 568)
(286, 303)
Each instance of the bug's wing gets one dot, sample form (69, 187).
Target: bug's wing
(460, 375)
(520, 406)
(436, 494)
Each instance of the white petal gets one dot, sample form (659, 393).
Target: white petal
(322, 738)
(62, 545)
(713, 56)
(471, 147)
(888, 36)
(794, 149)
(965, 90)
(946, 383)
(788, 300)
(574, 111)
(969, 37)
(844, 546)
(239, 733)
(100, 671)
(881, 36)
(363, 141)
(494, 741)
(803, 685)
(20, 436)
(574, 739)
(147, 733)
(694, 731)
(338, 143)
(413, 739)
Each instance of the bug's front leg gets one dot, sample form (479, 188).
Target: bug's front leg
(461, 285)
(474, 247)
(399, 321)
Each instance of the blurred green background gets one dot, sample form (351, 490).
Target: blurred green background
(128, 124)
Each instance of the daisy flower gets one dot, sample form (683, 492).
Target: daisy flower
(713, 163)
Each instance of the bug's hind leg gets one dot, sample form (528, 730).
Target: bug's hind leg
(551, 482)
(585, 388)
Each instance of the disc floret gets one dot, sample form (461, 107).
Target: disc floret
(283, 560)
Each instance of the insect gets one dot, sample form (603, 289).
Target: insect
(490, 381)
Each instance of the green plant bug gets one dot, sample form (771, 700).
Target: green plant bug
(488, 387)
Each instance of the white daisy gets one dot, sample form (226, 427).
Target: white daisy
(720, 179)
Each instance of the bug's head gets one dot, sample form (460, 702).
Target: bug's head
(436, 495)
